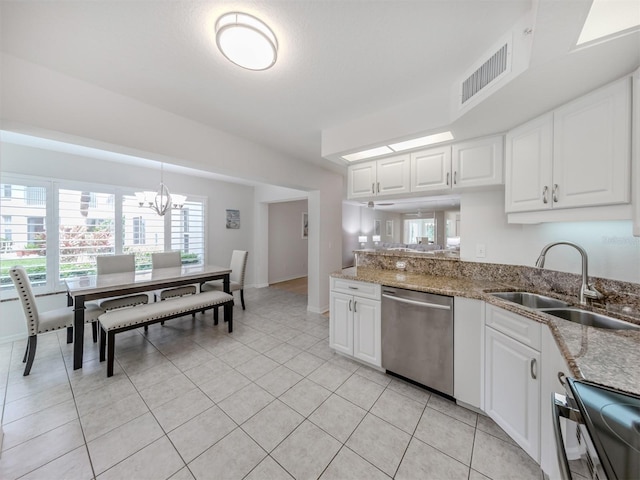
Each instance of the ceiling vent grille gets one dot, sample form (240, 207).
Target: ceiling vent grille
(486, 73)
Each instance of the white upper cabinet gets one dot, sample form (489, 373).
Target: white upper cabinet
(362, 180)
(592, 148)
(577, 156)
(529, 165)
(477, 163)
(431, 169)
(393, 175)
(380, 177)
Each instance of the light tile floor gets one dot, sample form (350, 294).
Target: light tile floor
(269, 401)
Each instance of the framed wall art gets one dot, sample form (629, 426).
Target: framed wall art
(305, 225)
(233, 219)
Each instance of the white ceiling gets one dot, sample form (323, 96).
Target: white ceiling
(338, 61)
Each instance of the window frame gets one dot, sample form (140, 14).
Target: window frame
(52, 220)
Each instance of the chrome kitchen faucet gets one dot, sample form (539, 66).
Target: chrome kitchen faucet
(586, 290)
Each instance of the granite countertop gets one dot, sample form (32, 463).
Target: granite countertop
(606, 357)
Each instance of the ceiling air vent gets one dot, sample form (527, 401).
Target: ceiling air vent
(486, 73)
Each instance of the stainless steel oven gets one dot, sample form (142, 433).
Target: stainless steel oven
(600, 432)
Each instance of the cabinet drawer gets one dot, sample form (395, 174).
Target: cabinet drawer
(361, 289)
(522, 329)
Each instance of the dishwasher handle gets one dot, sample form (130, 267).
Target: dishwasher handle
(416, 302)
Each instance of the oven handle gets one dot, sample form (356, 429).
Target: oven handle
(561, 409)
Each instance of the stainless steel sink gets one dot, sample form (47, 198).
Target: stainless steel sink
(530, 300)
(590, 318)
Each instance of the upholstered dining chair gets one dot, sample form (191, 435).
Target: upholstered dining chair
(126, 263)
(238, 270)
(42, 322)
(171, 260)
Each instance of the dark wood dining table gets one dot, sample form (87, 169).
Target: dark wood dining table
(94, 287)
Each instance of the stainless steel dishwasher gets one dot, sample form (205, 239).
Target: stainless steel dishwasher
(417, 337)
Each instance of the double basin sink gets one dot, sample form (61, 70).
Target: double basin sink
(560, 309)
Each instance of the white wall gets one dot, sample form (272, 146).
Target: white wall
(38, 101)
(287, 249)
(613, 251)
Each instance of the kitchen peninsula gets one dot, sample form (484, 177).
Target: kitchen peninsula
(609, 357)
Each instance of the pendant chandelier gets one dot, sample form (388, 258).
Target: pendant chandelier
(161, 200)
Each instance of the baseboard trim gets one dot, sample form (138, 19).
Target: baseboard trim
(295, 277)
(320, 310)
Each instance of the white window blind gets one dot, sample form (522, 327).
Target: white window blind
(143, 231)
(187, 232)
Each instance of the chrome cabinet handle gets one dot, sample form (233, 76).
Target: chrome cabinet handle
(373, 188)
(352, 288)
(355, 310)
(555, 193)
(532, 367)
(350, 304)
(378, 187)
(448, 178)
(455, 176)
(561, 378)
(544, 194)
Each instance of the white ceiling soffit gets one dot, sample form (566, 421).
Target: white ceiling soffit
(101, 154)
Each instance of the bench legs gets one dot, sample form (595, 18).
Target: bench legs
(107, 339)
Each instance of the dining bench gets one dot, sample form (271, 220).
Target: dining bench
(116, 321)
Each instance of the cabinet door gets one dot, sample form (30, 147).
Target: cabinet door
(367, 345)
(431, 169)
(393, 175)
(592, 148)
(361, 180)
(478, 162)
(512, 389)
(528, 168)
(341, 323)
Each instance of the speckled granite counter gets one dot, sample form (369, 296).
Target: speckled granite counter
(607, 357)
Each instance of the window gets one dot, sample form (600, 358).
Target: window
(84, 231)
(143, 231)
(23, 232)
(415, 230)
(87, 221)
(138, 230)
(187, 232)
(36, 196)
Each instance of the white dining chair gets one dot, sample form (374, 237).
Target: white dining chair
(42, 322)
(236, 278)
(126, 263)
(170, 260)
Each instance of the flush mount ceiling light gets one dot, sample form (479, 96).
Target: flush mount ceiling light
(246, 41)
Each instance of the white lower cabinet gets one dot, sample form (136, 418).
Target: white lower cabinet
(354, 322)
(512, 376)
